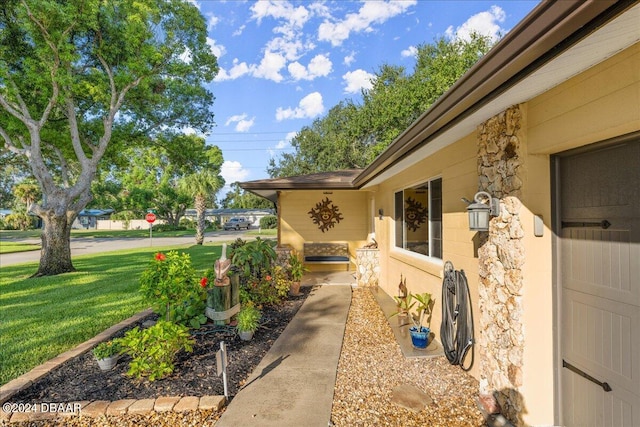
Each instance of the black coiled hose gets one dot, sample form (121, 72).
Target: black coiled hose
(456, 331)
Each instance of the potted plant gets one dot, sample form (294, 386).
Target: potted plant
(420, 334)
(297, 271)
(107, 354)
(248, 319)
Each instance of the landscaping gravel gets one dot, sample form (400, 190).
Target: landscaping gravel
(372, 365)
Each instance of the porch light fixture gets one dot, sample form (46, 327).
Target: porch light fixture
(380, 213)
(480, 213)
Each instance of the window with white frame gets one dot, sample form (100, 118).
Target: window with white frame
(418, 218)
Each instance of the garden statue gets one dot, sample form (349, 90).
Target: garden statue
(221, 267)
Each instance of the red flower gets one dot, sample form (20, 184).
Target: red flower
(268, 278)
(160, 256)
(203, 282)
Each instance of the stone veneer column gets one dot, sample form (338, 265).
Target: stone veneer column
(282, 255)
(501, 257)
(367, 267)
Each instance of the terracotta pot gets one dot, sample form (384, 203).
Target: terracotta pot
(294, 290)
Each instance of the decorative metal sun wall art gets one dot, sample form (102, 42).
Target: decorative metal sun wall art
(414, 214)
(325, 214)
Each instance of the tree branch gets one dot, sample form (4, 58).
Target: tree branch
(54, 69)
(8, 143)
(64, 165)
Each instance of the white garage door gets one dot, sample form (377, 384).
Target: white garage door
(599, 261)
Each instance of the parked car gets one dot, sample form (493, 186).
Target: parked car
(237, 224)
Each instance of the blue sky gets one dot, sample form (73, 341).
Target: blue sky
(285, 63)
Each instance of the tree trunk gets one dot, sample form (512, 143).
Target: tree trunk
(201, 207)
(55, 256)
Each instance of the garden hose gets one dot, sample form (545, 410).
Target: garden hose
(456, 331)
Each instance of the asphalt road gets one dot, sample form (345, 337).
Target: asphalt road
(84, 245)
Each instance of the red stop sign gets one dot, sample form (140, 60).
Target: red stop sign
(150, 217)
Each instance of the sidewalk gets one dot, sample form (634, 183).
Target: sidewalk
(293, 384)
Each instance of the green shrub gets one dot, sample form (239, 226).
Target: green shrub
(248, 318)
(153, 350)
(269, 222)
(254, 257)
(19, 221)
(107, 349)
(281, 282)
(270, 289)
(172, 288)
(159, 228)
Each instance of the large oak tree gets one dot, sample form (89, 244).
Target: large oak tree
(80, 78)
(352, 134)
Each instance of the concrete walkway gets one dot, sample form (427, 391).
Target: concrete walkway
(293, 384)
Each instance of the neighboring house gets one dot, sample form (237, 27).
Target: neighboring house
(88, 218)
(548, 122)
(223, 215)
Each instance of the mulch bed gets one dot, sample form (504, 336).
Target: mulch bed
(194, 375)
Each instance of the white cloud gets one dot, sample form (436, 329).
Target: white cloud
(411, 51)
(238, 69)
(310, 106)
(212, 22)
(290, 48)
(371, 12)
(217, 49)
(195, 3)
(319, 66)
(485, 23)
(186, 56)
(232, 171)
(348, 60)
(283, 144)
(295, 17)
(357, 80)
(242, 123)
(270, 67)
(239, 31)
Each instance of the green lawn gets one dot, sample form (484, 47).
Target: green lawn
(11, 247)
(43, 317)
(35, 234)
(263, 233)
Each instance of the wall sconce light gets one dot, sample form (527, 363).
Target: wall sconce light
(480, 213)
(380, 213)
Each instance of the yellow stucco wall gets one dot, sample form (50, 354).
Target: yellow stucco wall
(456, 165)
(297, 227)
(599, 104)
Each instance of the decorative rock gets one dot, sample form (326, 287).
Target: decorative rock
(489, 404)
(410, 397)
(148, 323)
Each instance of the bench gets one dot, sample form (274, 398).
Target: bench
(326, 253)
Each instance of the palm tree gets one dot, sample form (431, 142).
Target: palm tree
(202, 186)
(27, 193)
